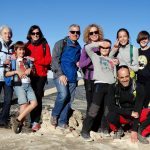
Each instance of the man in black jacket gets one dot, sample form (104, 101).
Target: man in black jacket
(126, 107)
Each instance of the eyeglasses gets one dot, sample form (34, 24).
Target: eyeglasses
(94, 32)
(105, 47)
(73, 32)
(35, 33)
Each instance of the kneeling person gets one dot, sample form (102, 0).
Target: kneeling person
(126, 107)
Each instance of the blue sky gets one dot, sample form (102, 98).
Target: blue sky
(54, 17)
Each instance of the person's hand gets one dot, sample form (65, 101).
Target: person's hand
(101, 43)
(63, 79)
(134, 136)
(115, 61)
(28, 57)
(135, 114)
(116, 45)
(28, 71)
(13, 57)
(7, 62)
(21, 74)
(77, 64)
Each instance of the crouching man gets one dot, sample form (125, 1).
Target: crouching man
(126, 107)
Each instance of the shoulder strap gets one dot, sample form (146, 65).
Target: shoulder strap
(64, 43)
(13, 64)
(0, 46)
(131, 54)
(117, 95)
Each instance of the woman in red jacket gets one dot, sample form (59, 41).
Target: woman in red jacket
(38, 48)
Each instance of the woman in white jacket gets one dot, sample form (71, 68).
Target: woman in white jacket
(5, 43)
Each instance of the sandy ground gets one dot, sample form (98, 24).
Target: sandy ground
(49, 138)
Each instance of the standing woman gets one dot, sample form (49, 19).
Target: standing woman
(38, 48)
(5, 43)
(92, 33)
(126, 53)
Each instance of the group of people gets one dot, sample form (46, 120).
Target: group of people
(23, 69)
(116, 80)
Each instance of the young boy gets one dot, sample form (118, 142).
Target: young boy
(143, 75)
(20, 70)
(104, 75)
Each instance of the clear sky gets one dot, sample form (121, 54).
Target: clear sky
(54, 17)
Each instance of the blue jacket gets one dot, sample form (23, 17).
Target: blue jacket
(64, 59)
(69, 58)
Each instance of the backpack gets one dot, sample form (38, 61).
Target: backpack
(63, 44)
(13, 80)
(8, 80)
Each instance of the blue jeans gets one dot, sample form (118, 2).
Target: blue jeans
(8, 93)
(64, 99)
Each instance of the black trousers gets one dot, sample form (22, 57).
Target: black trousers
(38, 84)
(89, 89)
(100, 94)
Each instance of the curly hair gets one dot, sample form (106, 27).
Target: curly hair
(87, 30)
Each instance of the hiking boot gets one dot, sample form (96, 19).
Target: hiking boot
(53, 121)
(36, 126)
(86, 137)
(26, 130)
(118, 134)
(141, 138)
(16, 125)
(5, 125)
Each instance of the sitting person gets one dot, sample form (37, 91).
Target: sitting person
(126, 99)
(20, 69)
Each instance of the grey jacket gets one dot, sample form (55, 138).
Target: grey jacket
(104, 69)
(124, 57)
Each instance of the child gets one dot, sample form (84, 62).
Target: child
(125, 52)
(22, 87)
(143, 75)
(104, 70)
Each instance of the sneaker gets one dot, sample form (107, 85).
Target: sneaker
(36, 126)
(118, 134)
(63, 126)
(141, 138)
(16, 125)
(86, 137)
(53, 121)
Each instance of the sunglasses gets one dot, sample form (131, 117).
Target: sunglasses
(73, 32)
(35, 33)
(92, 33)
(105, 47)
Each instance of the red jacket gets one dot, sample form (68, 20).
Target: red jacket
(41, 62)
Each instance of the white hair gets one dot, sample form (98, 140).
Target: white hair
(5, 27)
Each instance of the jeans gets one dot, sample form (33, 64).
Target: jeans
(64, 99)
(8, 93)
(24, 93)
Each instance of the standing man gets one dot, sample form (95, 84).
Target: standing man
(126, 107)
(65, 62)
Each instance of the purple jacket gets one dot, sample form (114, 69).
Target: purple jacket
(85, 64)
